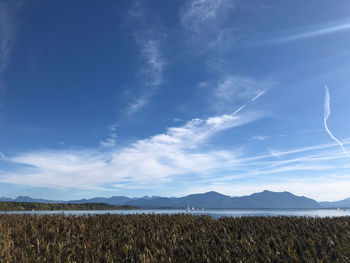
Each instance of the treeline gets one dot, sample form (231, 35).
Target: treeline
(24, 206)
(172, 238)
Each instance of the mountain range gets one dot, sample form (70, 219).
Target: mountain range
(343, 203)
(265, 199)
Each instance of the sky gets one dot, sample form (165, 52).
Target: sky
(169, 98)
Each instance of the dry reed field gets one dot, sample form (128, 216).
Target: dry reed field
(172, 238)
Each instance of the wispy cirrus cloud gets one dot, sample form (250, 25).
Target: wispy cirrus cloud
(308, 32)
(206, 23)
(153, 72)
(150, 50)
(160, 158)
(8, 30)
(260, 138)
(233, 89)
(111, 140)
(149, 36)
(300, 171)
(8, 35)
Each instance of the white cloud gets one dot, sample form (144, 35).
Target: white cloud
(177, 120)
(149, 37)
(260, 138)
(8, 35)
(278, 153)
(207, 22)
(111, 140)
(234, 89)
(7, 32)
(137, 104)
(202, 84)
(220, 120)
(317, 165)
(9, 11)
(155, 160)
(153, 72)
(313, 31)
(178, 152)
(155, 63)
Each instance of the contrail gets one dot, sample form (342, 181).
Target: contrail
(245, 105)
(314, 33)
(258, 95)
(232, 115)
(320, 30)
(327, 113)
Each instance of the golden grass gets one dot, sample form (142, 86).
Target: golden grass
(172, 238)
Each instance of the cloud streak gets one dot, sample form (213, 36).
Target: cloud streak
(327, 113)
(8, 30)
(155, 63)
(153, 71)
(149, 37)
(265, 172)
(219, 122)
(311, 32)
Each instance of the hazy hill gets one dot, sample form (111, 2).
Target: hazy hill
(206, 200)
(265, 199)
(342, 204)
(268, 199)
(114, 200)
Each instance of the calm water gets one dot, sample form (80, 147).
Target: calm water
(214, 213)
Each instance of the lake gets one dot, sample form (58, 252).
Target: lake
(212, 212)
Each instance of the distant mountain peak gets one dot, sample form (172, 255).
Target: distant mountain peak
(213, 193)
(211, 199)
(209, 193)
(23, 196)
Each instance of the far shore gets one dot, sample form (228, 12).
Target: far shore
(24, 206)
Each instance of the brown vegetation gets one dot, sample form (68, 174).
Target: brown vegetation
(172, 238)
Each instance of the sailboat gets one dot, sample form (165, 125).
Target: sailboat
(188, 209)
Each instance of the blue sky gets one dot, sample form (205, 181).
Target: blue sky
(102, 98)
